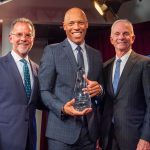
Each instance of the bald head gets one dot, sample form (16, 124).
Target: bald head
(75, 25)
(74, 11)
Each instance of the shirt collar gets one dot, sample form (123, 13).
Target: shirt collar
(124, 57)
(74, 46)
(17, 57)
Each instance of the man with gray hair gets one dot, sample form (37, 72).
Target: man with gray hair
(126, 115)
(19, 92)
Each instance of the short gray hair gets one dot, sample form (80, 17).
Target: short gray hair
(23, 20)
(125, 21)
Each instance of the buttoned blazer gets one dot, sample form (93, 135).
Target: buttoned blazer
(57, 76)
(17, 114)
(130, 107)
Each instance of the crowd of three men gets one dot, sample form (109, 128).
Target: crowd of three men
(120, 93)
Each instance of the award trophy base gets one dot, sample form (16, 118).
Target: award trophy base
(82, 102)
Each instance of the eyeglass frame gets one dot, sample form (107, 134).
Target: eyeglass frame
(20, 35)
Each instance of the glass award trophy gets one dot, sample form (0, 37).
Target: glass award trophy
(82, 100)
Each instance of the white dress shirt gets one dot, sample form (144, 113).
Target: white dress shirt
(124, 59)
(19, 64)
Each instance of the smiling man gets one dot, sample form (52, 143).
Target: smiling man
(126, 116)
(19, 90)
(67, 129)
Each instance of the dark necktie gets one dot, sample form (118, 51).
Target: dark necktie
(80, 59)
(27, 83)
(81, 66)
(116, 75)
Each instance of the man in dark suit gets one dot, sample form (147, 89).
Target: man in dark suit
(126, 115)
(66, 129)
(18, 94)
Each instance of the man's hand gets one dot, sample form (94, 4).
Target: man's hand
(93, 87)
(69, 109)
(143, 145)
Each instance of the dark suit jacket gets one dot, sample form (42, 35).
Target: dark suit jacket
(57, 77)
(17, 114)
(131, 105)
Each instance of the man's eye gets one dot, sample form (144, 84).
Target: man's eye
(19, 34)
(116, 34)
(126, 33)
(71, 23)
(81, 22)
(28, 35)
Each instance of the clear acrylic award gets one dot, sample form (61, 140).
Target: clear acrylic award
(82, 100)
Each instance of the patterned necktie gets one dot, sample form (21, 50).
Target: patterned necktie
(27, 83)
(116, 75)
(80, 62)
(80, 59)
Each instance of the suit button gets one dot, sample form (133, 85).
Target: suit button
(26, 119)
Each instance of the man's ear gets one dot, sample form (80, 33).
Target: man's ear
(87, 24)
(133, 39)
(111, 40)
(64, 26)
(10, 38)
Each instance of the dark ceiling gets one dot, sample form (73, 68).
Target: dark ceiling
(48, 14)
(52, 11)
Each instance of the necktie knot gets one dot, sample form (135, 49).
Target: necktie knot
(78, 48)
(23, 61)
(118, 61)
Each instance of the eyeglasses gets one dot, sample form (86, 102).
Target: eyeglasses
(20, 35)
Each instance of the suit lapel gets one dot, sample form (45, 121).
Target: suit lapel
(68, 50)
(90, 62)
(14, 72)
(34, 74)
(108, 77)
(127, 69)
